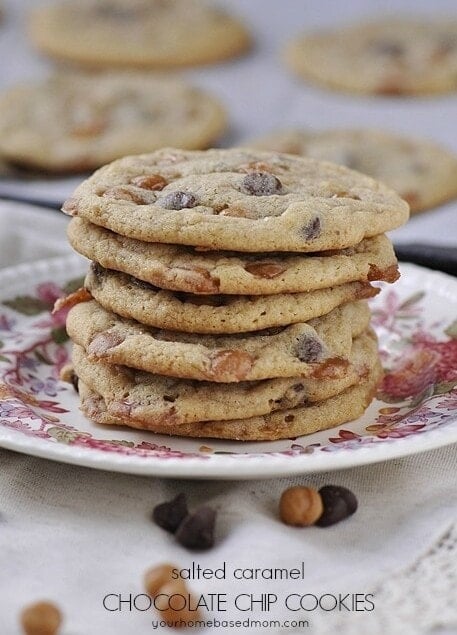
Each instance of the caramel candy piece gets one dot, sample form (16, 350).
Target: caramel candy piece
(123, 194)
(42, 618)
(265, 269)
(228, 365)
(102, 342)
(81, 295)
(153, 182)
(300, 506)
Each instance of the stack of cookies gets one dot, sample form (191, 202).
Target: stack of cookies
(227, 292)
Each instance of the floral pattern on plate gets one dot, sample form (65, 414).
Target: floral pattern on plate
(417, 332)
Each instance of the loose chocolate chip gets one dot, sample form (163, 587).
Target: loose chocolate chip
(339, 503)
(312, 229)
(197, 530)
(261, 184)
(170, 515)
(309, 349)
(178, 200)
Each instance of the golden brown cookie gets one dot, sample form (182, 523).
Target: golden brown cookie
(139, 33)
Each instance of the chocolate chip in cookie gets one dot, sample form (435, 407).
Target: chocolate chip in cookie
(261, 184)
(309, 349)
(179, 200)
(312, 229)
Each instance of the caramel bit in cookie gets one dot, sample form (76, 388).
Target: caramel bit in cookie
(312, 229)
(309, 349)
(446, 46)
(119, 193)
(236, 211)
(198, 278)
(388, 48)
(178, 200)
(345, 194)
(121, 408)
(255, 166)
(331, 368)
(412, 198)
(93, 406)
(153, 182)
(231, 365)
(390, 88)
(89, 128)
(70, 207)
(102, 342)
(365, 290)
(261, 184)
(81, 295)
(265, 269)
(390, 274)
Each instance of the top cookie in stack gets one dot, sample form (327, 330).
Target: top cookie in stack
(267, 339)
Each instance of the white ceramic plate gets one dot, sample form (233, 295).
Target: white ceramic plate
(416, 409)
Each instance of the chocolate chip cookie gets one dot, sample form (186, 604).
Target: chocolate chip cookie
(164, 401)
(237, 200)
(281, 424)
(319, 348)
(76, 122)
(132, 298)
(423, 173)
(183, 268)
(397, 56)
(138, 33)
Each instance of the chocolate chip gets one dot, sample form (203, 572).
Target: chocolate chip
(97, 270)
(312, 229)
(197, 530)
(389, 48)
(261, 184)
(74, 380)
(178, 200)
(309, 349)
(339, 503)
(169, 515)
(142, 284)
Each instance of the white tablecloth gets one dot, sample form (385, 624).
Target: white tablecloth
(75, 535)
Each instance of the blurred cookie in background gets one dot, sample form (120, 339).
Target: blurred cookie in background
(76, 122)
(395, 56)
(142, 33)
(422, 172)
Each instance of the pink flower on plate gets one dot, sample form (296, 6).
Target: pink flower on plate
(49, 292)
(394, 308)
(384, 432)
(345, 435)
(449, 403)
(411, 378)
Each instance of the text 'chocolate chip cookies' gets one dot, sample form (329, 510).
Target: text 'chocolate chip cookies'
(227, 293)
